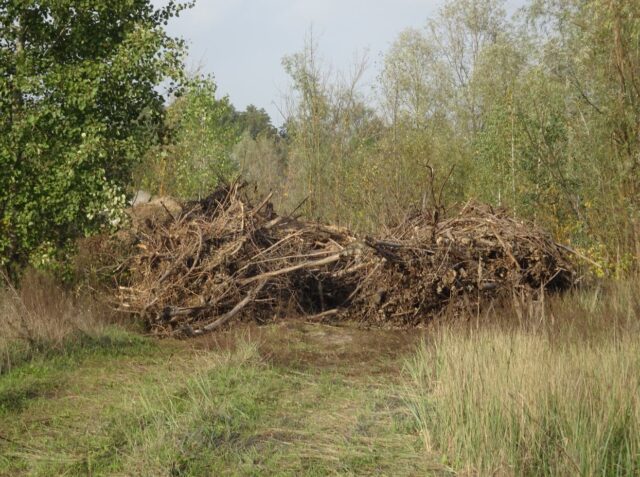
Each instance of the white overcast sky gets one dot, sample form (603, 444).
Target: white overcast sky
(242, 42)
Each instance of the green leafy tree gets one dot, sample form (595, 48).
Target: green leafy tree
(256, 122)
(263, 162)
(462, 31)
(79, 105)
(409, 80)
(202, 131)
(330, 130)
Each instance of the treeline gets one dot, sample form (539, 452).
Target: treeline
(538, 112)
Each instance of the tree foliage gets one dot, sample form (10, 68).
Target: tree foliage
(256, 122)
(79, 105)
(538, 112)
(201, 133)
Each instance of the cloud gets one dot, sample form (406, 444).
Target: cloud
(242, 42)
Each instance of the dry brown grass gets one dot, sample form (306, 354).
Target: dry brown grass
(41, 316)
(540, 389)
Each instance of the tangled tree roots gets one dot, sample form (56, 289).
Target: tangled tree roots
(192, 269)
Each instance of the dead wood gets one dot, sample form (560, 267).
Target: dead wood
(197, 271)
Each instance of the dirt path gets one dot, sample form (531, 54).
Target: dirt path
(305, 346)
(290, 399)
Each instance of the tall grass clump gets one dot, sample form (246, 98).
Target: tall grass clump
(551, 390)
(39, 317)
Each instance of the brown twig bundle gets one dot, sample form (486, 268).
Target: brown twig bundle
(193, 269)
(459, 263)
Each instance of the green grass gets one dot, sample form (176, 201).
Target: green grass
(45, 371)
(164, 408)
(537, 390)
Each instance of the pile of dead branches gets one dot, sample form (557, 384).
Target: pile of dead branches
(457, 264)
(192, 268)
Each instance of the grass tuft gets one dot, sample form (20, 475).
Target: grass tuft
(41, 318)
(555, 395)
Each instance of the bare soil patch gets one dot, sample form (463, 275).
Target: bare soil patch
(309, 346)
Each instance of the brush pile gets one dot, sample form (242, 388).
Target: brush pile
(194, 267)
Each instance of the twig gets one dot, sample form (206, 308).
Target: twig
(262, 204)
(505, 248)
(579, 255)
(302, 202)
(324, 314)
(233, 312)
(167, 210)
(283, 271)
(270, 248)
(291, 257)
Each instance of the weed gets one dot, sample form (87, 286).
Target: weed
(41, 318)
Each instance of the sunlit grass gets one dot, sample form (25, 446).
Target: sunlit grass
(557, 395)
(536, 389)
(168, 409)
